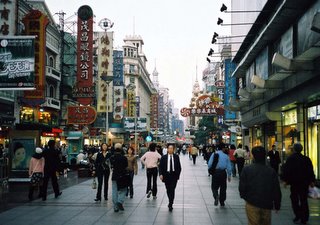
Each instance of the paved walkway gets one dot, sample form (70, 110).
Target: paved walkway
(193, 205)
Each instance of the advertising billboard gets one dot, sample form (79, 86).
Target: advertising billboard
(17, 63)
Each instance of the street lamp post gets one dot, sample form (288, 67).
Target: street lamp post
(108, 80)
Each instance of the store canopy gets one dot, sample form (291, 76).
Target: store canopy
(73, 138)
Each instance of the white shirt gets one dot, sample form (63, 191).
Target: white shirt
(168, 163)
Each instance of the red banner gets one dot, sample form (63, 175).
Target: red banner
(81, 114)
(35, 23)
(84, 89)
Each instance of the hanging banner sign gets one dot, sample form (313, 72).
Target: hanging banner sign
(84, 90)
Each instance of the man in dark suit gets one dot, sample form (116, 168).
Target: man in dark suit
(169, 171)
(274, 158)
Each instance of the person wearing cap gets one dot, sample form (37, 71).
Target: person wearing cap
(259, 187)
(119, 164)
(298, 173)
(36, 172)
(219, 178)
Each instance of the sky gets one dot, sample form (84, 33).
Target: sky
(177, 34)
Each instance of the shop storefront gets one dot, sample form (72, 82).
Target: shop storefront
(313, 137)
(290, 134)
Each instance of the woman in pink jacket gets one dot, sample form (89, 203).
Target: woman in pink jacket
(36, 170)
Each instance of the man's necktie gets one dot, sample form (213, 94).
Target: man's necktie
(171, 166)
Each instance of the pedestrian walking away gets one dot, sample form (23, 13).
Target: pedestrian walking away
(151, 159)
(274, 158)
(119, 164)
(101, 170)
(132, 168)
(36, 172)
(219, 177)
(298, 173)
(51, 167)
(194, 154)
(259, 187)
(169, 172)
(240, 155)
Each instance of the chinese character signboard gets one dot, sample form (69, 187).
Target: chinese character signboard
(118, 103)
(81, 115)
(84, 90)
(117, 68)
(17, 63)
(105, 65)
(35, 23)
(129, 124)
(131, 103)
(206, 105)
(154, 111)
(8, 17)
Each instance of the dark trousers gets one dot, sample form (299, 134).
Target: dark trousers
(31, 190)
(194, 157)
(54, 182)
(299, 201)
(104, 174)
(130, 187)
(219, 181)
(152, 173)
(171, 184)
(240, 164)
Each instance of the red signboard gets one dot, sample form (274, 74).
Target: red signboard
(81, 114)
(35, 23)
(84, 89)
(216, 110)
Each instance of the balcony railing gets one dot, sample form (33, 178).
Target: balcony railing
(52, 103)
(53, 73)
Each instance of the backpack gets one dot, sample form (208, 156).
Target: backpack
(212, 169)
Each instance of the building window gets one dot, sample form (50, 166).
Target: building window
(131, 69)
(51, 61)
(51, 92)
(132, 80)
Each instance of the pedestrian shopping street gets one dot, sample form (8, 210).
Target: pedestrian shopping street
(193, 205)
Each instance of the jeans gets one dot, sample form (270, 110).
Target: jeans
(103, 175)
(118, 196)
(130, 188)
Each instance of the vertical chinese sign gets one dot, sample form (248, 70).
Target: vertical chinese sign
(8, 17)
(154, 111)
(35, 23)
(105, 46)
(118, 100)
(84, 89)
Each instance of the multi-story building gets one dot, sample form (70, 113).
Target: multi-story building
(139, 86)
(278, 78)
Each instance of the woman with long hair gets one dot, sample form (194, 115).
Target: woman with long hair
(102, 171)
(132, 168)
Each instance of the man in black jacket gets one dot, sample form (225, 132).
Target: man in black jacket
(169, 171)
(259, 187)
(298, 172)
(51, 166)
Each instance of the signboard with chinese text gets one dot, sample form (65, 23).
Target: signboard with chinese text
(17, 62)
(117, 68)
(35, 23)
(84, 90)
(131, 103)
(154, 111)
(8, 17)
(118, 102)
(81, 115)
(105, 65)
(141, 123)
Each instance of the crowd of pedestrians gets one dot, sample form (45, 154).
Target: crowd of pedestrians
(258, 171)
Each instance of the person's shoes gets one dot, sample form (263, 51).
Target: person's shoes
(296, 220)
(44, 198)
(120, 206)
(106, 198)
(131, 196)
(170, 207)
(58, 194)
(116, 210)
(97, 199)
(222, 204)
(149, 194)
(154, 197)
(216, 201)
(30, 198)
(303, 222)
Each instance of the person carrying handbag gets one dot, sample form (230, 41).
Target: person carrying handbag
(36, 170)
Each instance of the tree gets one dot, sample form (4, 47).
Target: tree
(206, 128)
